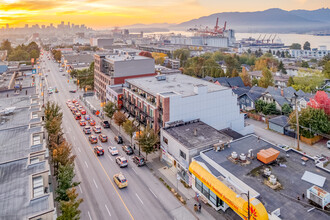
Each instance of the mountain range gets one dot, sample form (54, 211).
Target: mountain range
(270, 20)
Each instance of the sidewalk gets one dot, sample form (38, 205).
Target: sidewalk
(160, 170)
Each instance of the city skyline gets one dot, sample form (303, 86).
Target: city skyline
(104, 14)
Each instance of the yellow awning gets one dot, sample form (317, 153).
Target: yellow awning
(238, 204)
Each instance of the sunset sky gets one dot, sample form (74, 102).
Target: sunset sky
(109, 13)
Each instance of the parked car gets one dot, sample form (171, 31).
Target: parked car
(92, 139)
(103, 138)
(106, 124)
(128, 150)
(98, 150)
(139, 160)
(113, 150)
(97, 129)
(87, 130)
(82, 122)
(120, 180)
(119, 139)
(121, 161)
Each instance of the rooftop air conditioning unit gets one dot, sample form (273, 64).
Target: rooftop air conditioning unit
(272, 179)
(234, 155)
(242, 157)
(267, 171)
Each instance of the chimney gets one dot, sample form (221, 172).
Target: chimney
(282, 92)
(195, 132)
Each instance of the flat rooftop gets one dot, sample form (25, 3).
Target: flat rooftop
(117, 58)
(197, 134)
(15, 190)
(288, 174)
(175, 84)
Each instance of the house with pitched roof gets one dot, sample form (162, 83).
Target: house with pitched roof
(247, 99)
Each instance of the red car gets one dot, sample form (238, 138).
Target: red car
(93, 139)
(74, 101)
(98, 150)
(83, 111)
(91, 122)
(103, 138)
(78, 116)
(82, 122)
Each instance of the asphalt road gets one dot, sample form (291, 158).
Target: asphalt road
(144, 198)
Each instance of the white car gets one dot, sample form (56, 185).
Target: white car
(113, 150)
(328, 144)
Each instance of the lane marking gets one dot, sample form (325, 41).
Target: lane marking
(110, 157)
(95, 184)
(134, 171)
(153, 193)
(79, 149)
(86, 164)
(107, 209)
(80, 188)
(139, 198)
(89, 215)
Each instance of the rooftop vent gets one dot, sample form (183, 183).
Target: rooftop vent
(161, 77)
(234, 155)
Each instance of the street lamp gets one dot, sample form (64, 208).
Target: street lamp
(248, 198)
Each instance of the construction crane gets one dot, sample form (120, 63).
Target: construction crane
(262, 41)
(215, 31)
(274, 38)
(258, 38)
(268, 40)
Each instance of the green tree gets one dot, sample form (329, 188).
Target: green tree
(109, 109)
(52, 110)
(308, 83)
(260, 105)
(311, 121)
(6, 45)
(326, 70)
(182, 55)
(286, 109)
(307, 46)
(70, 209)
(290, 81)
(147, 140)
(130, 128)
(270, 109)
(19, 55)
(231, 64)
(65, 181)
(255, 82)
(295, 46)
(281, 67)
(304, 64)
(266, 79)
(34, 54)
(119, 118)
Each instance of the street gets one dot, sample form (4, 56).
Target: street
(144, 198)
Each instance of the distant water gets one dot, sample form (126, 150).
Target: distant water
(287, 39)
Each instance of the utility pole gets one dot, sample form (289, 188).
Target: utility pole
(297, 121)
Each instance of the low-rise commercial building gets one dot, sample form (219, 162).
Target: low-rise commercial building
(115, 94)
(234, 175)
(114, 69)
(169, 98)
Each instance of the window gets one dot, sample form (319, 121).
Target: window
(151, 112)
(198, 184)
(38, 186)
(36, 139)
(182, 154)
(165, 140)
(34, 115)
(211, 196)
(34, 160)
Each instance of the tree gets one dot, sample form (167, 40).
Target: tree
(52, 110)
(62, 154)
(70, 209)
(255, 82)
(295, 46)
(286, 109)
(65, 181)
(270, 109)
(234, 73)
(266, 79)
(281, 67)
(182, 55)
(308, 83)
(130, 128)
(147, 140)
(119, 118)
(304, 64)
(110, 108)
(145, 54)
(290, 81)
(311, 121)
(245, 77)
(320, 101)
(231, 64)
(260, 105)
(326, 70)
(307, 46)
(6, 45)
